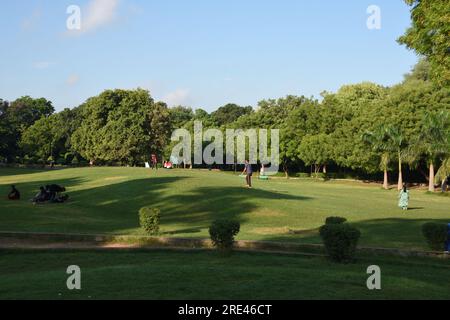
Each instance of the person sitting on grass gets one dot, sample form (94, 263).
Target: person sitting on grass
(54, 190)
(14, 194)
(404, 198)
(42, 196)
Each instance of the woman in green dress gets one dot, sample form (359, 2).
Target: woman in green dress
(404, 198)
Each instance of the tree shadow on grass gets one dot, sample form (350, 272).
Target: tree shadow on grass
(8, 172)
(203, 205)
(388, 233)
(114, 208)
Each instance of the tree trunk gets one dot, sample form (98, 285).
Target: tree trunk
(386, 180)
(431, 183)
(400, 175)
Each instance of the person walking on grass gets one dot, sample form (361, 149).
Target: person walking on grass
(248, 171)
(404, 198)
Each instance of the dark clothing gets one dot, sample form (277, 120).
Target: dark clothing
(249, 168)
(248, 178)
(14, 194)
(42, 196)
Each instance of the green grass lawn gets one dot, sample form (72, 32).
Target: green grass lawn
(206, 275)
(107, 200)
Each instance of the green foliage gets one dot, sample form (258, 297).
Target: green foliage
(335, 220)
(15, 118)
(316, 150)
(149, 220)
(428, 36)
(122, 125)
(436, 235)
(229, 114)
(222, 233)
(340, 241)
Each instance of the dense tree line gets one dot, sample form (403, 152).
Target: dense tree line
(362, 127)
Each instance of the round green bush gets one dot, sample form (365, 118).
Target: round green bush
(436, 235)
(149, 220)
(340, 241)
(335, 220)
(222, 233)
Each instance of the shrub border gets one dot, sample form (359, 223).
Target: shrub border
(145, 242)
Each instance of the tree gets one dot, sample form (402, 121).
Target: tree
(179, 116)
(388, 140)
(429, 36)
(15, 118)
(123, 126)
(229, 114)
(26, 111)
(50, 137)
(382, 145)
(433, 140)
(316, 150)
(40, 139)
(355, 109)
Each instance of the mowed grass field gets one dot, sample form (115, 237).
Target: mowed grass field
(107, 200)
(206, 275)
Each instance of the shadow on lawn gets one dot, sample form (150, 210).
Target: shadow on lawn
(394, 233)
(114, 208)
(193, 209)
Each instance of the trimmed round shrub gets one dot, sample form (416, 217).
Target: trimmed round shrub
(436, 235)
(340, 241)
(149, 220)
(335, 220)
(222, 233)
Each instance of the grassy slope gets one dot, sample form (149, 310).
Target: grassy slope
(205, 275)
(106, 200)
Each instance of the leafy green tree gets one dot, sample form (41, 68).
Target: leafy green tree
(316, 150)
(179, 116)
(433, 140)
(429, 36)
(123, 126)
(50, 137)
(25, 111)
(15, 118)
(381, 144)
(355, 109)
(229, 114)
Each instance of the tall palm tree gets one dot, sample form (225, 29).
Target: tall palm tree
(433, 140)
(444, 171)
(387, 140)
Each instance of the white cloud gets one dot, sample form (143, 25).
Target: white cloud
(178, 97)
(98, 13)
(72, 79)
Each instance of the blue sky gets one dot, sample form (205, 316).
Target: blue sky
(201, 53)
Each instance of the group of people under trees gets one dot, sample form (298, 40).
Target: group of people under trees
(49, 194)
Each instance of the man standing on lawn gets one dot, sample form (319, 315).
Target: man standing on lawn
(248, 171)
(154, 162)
